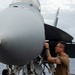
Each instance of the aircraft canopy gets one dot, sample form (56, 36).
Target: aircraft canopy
(35, 2)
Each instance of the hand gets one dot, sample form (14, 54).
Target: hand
(46, 45)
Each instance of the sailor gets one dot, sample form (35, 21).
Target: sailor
(62, 60)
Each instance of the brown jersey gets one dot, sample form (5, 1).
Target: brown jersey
(63, 68)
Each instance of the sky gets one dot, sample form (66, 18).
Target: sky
(66, 15)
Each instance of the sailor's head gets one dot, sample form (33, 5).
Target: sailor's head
(60, 47)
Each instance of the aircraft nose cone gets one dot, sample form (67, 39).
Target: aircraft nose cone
(23, 33)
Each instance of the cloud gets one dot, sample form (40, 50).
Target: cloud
(4, 4)
(57, 1)
(66, 16)
(66, 20)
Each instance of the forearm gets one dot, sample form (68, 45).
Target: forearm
(49, 57)
(48, 54)
(52, 59)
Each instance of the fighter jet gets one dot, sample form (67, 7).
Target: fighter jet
(22, 34)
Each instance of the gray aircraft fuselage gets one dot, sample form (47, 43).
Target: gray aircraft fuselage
(21, 33)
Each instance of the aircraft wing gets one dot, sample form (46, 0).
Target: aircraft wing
(54, 35)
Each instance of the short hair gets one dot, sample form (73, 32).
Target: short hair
(63, 43)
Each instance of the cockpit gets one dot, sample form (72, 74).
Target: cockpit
(34, 2)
